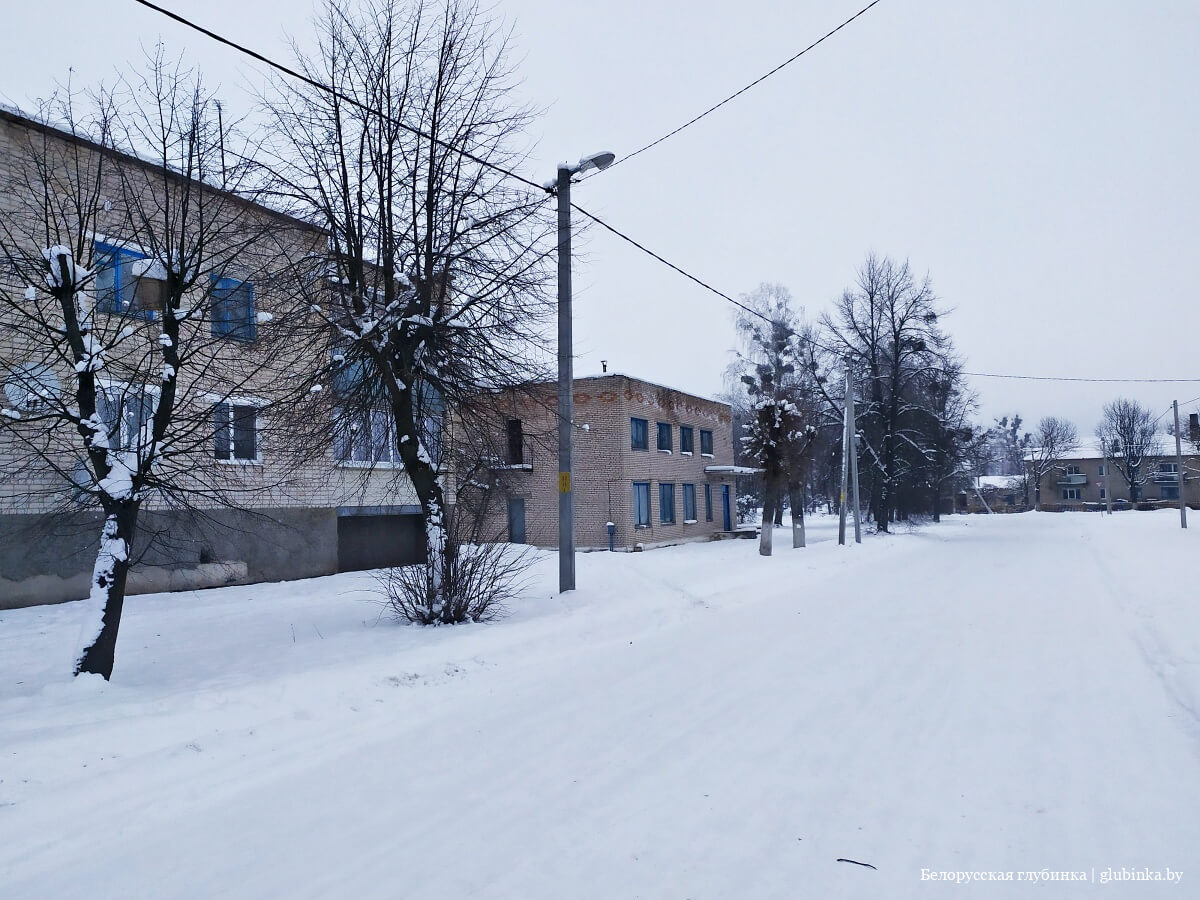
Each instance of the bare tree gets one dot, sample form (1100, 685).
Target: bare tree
(1053, 439)
(432, 284)
(122, 342)
(887, 327)
(953, 442)
(1129, 433)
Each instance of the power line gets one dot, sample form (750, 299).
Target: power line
(334, 92)
(743, 90)
(765, 318)
(1090, 380)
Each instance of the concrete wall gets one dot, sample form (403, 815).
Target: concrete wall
(49, 559)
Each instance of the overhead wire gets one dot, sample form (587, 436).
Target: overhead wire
(740, 91)
(332, 91)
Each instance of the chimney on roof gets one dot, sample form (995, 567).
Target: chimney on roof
(1194, 427)
(604, 368)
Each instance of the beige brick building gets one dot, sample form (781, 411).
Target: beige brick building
(349, 506)
(1084, 479)
(654, 461)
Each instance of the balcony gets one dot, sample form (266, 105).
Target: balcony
(1166, 477)
(1072, 480)
(520, 459)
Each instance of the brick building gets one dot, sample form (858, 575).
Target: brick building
(349, 507)
(1084, 479)
(654, 461)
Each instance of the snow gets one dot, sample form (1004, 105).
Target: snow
(263, 317)
(693, 721)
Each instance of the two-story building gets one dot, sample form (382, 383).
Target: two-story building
(1085, 478)
(654, 461)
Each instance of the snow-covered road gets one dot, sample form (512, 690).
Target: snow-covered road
(991, 695)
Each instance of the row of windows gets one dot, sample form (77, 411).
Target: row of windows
(666, 503)
(639, 437)
(123, 285)
(1166, 492)
(1164, 468)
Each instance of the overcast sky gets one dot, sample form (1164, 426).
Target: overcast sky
(1038, 158)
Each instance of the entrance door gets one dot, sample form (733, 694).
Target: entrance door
(516, 520)
(726, 518)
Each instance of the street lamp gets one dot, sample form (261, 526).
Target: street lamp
(566, 505)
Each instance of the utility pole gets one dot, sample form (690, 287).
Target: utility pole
(1179, 466)
(853, 428)
(845, 460)
(566, 410)
(1107, 487)
(566, 375)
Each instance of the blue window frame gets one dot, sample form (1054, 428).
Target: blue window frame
(639, 434)
(666, 502)
(233, 308)
(664, 436)
(687, 439)
(708, 503)
(706, 441)
(116, 281)
(689, 503)
(641, 503)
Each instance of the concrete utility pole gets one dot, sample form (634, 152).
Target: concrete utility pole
(566, 410)
(1179, 466)
(566, 404)
(1107, 488)
(854, 461)
(845, 460)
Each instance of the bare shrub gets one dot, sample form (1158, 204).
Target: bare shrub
(476, 582)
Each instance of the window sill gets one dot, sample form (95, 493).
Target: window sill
(707, 455)
(689, 521)
(641, 449)
(641, 527)
(685, 452)
(661, 450)
(672, 522)
(241, 462)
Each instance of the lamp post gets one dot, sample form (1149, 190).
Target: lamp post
(566, 506)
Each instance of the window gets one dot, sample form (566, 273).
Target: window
(125, 411)
(689, 503)
(122, 286)
(1169, 492)
(664, 436)
(364, 437)
(1070, 493)
(705, 442)
(687, 439)
(1168, 468)
(1101, 471)
(516, 442)
(708, 503)
(1103, 494)
(233, 308)
(639, 434)
(235, 431)
(641, 503)
(666, 503)
(1073, 470)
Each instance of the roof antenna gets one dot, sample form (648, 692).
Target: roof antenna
(604, 365)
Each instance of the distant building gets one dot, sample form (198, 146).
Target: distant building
(1079, 480)
(654, 461)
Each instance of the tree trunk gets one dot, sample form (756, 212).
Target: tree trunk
(107, 598)
(937, 503)
(1037, 495)
(779, 510)
(796, 500)
(770, 499)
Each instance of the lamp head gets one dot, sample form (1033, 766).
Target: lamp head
(599, 161)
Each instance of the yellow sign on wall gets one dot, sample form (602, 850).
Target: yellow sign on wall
(564, 482)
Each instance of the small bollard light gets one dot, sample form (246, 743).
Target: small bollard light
(612, 530)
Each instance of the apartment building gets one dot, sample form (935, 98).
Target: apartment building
(1086, 478)
(349, 506)
(654, 461)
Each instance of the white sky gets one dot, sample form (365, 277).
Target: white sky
(1038, 159)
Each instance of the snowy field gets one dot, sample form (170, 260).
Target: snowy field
(1005, 694)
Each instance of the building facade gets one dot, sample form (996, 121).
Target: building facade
(347, 506)
(1086, 479)
(654, 461)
